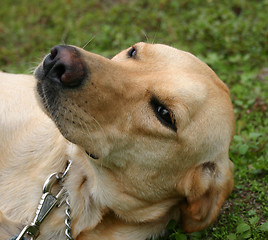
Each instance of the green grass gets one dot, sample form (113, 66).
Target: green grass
(231, 36)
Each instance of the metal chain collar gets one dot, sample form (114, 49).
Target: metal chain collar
(47, 203)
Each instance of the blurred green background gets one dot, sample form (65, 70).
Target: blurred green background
(230, 36)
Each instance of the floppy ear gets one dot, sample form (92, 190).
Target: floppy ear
(205, 188)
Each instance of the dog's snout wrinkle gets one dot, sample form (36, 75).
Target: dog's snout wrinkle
(64, 65)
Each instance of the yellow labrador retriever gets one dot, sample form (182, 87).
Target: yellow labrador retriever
(148, 132)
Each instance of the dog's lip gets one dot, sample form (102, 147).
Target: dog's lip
(92, 155)
(40, 74)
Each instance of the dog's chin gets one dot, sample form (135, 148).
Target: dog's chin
(39, 96)
(41, 100)
(44, 101)
(46, 94)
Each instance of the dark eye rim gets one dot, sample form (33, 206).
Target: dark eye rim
(132, 52)
(155, 104)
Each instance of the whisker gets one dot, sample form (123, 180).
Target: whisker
(34, 64)
(146, 36)
(154, 37)
(88, 42)
(31, 69)
(64, 36)
(97, 125)
(86, 131)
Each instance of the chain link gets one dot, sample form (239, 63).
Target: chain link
(68, 230)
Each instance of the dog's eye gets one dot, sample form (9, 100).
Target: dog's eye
(132, 52)
(164, 115)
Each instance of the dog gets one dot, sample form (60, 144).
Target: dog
(148, 133)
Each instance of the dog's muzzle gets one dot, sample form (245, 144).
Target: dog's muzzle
(64, 65)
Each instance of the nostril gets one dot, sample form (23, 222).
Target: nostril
(59, 70)
(50, 60)
(53, 53)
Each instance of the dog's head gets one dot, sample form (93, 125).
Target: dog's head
(157, 118)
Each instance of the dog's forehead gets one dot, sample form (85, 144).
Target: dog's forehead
(182, 68)
(162, 51)
(175, 58)
(160, 57)
(168, 72)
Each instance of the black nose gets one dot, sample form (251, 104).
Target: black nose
(64, 65)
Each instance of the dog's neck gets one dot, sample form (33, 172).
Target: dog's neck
(96, 195)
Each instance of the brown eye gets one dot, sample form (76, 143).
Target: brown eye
(163, 114)
(132, 52)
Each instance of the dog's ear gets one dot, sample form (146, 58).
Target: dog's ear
(205, 187)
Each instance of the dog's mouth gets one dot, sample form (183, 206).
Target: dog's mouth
(92, 155)
(66, 120)
(62, 72)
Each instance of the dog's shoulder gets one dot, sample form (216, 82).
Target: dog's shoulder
(16, 93)
(22, 120)
(17, 102)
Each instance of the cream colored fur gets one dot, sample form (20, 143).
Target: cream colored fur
(146, 174)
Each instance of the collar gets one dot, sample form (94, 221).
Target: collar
(47, 203)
